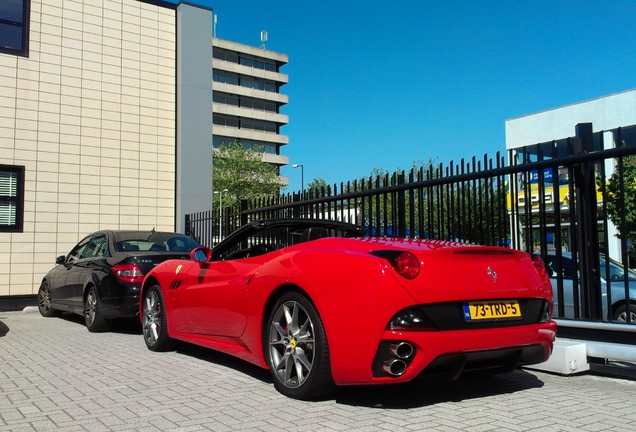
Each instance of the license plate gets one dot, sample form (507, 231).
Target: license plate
(492, 310)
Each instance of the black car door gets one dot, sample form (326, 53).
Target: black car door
(66, 277)
(89, 266)
(79, 267)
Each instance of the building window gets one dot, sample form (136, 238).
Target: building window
(14, 26)
(223, 120)
(259, 125)
(225, 78)
(258, 84)
(11, 198)
(244, 102)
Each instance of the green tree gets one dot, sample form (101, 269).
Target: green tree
(620, 195)
(317, 186)
(243, 173)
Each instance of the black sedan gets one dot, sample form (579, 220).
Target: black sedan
(100, 278)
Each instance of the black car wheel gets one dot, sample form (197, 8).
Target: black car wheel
(296, 349)
(95, 321)
(621, 314)
(154, 320)
(44, 301)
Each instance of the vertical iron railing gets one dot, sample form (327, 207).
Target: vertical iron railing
(531, 204)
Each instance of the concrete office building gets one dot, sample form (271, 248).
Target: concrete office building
(247, 99)
(106, 122)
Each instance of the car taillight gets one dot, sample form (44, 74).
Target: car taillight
(412, 318)
(407, 265)
(539, 266)
(130, 273)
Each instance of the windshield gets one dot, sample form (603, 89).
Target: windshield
(616, 271)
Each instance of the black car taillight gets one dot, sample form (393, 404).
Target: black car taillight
(546, 315)
(412, 318)
(129, 273)
(405, 263)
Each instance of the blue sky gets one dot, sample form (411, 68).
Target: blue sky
(380, 84)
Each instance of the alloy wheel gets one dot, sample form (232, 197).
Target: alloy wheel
(151, 318)
(44, 299)
(90, 308)
(291, 344)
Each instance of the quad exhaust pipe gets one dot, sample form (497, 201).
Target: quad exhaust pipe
(394, 367)
(401, 351)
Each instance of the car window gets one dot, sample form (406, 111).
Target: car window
(566, 271)
(159, 242)
(78, 251)
(95, 248)
(180, 244)
(274, 238)
(616, 272)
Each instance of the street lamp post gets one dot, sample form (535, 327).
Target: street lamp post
(302, 176)
(220, 212)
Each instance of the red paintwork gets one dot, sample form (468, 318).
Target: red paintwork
(222, 304)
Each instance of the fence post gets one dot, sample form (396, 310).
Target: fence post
(244, 208)
(586, 220)
(401, 207)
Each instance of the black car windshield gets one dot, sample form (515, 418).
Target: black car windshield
(158, 242)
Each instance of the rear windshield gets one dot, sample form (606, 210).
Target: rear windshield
(158, 242)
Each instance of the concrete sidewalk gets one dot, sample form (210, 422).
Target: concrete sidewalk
(55, 375)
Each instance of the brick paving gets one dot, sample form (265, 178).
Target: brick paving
(55, 375)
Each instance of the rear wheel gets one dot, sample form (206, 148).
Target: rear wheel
(93, 316)
(621, 314)
(296, 349)
(44, 301)
(154, 320)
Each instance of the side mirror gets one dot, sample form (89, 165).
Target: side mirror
(201, 254)
(60, 259)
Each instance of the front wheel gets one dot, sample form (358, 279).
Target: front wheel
(154, 320)
(93, 316)
(621, 314)
(44, 301)
(296, 349)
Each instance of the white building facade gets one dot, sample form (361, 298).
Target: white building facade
(105, 122)
(613, 119)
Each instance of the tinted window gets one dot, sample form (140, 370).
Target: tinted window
(616, 272)
(78, 251)
(96, 247)
(158, 242)
(14, 29)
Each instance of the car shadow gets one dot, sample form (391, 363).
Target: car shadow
(122, 325)
(222, 359)
(4, 329)
(418, 393)
(427, 392)
(126, 326)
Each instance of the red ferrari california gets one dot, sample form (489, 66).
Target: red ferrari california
(321, 306)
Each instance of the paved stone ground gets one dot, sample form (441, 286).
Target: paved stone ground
(55, 375)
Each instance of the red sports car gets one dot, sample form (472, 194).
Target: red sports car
(321, 306)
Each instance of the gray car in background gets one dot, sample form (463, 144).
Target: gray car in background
(613, 275)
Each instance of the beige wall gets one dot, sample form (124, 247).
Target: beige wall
(91, 115)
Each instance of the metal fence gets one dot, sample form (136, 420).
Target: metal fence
(547, 199)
